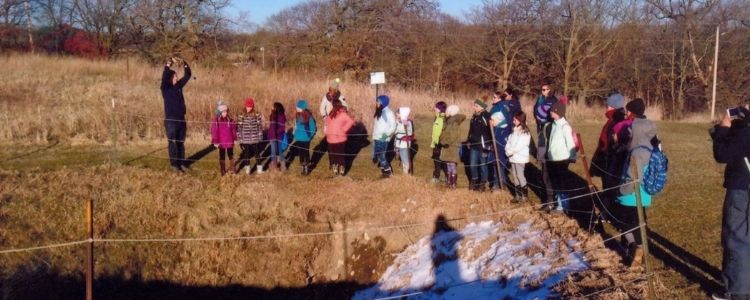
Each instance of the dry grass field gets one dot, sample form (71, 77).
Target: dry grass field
(56, 133)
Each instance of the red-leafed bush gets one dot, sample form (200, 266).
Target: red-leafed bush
(81, 44)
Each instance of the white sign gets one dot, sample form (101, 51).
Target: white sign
(377, 78)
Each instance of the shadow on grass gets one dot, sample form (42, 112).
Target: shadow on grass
(689, 265)
(51, 285)
(30, 153)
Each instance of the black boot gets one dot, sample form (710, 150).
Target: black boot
(516, 194)
(524, 193)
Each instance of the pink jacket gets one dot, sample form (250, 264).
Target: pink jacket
(337, 127)
(223, 132)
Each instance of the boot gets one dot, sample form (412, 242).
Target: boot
(452, 178)
(231, 166)
(516, 194)
(525, 193)
(282, 165)
(335, 169)
(259, 169)
(223, 166)
(247, 170)
(304, 170)
(342, 170)
(636, 256)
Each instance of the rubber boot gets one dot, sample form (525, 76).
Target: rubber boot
(451, 179)
(516, 194)
(223, 167)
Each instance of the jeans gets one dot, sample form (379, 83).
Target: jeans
(381, 147)
(275, 147)
(176, 131)
(735, 239)
(504, 167)
(478, 165)
(405, 159)
(560, 176)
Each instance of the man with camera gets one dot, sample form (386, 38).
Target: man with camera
(731, 146)
(174, 112)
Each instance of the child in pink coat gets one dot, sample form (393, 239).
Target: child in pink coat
(223, 130)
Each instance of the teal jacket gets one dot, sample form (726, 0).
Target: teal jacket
(304, 132)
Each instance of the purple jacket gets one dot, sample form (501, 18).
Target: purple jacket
(276, 127)
(223, 132)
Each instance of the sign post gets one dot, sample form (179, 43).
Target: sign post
(376, 79)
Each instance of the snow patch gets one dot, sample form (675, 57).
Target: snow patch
(482, 261)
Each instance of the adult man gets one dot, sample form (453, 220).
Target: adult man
(732, 147)
(543, 128)
(174, 113)
(332, 94)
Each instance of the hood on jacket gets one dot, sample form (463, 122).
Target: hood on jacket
(404, 113)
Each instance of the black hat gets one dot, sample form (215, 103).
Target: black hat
(637, 107)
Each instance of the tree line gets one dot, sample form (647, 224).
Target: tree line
(658, 50)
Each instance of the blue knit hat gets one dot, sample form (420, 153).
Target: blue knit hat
(383, 100)
(302, 104)
(616, 100)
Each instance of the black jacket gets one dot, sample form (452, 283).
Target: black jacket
(479, 131)
(174, 101)
(732, 146)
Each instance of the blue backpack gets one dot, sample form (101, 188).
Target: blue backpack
(655, 176)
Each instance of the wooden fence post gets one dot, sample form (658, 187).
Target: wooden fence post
(642, 224)
(90, 251)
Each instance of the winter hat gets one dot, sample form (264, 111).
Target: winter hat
(480, 103)
(559, 109)
(383, 100)
(637, 107)
(335, 84)
(616, 100)
(302, 104)
(441, 106)
(452, 110)
(220, 107)
(249, 102)
(404, 113)
(499, 119)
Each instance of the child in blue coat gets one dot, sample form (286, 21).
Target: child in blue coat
(304, 130)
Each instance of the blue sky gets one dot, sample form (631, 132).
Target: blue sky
(259, 10)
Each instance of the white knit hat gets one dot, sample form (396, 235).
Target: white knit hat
(452, 110)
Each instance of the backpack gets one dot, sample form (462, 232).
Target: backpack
(576, 143)
(655, 176)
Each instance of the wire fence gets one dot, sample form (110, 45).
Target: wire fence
(593, 193)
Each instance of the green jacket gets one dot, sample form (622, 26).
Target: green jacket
(452, 137)
(437, 129)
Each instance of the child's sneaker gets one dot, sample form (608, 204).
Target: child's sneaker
(259, 170)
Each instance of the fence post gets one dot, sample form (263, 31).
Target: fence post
(113, 133)
(642, 224)
(90, 250)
